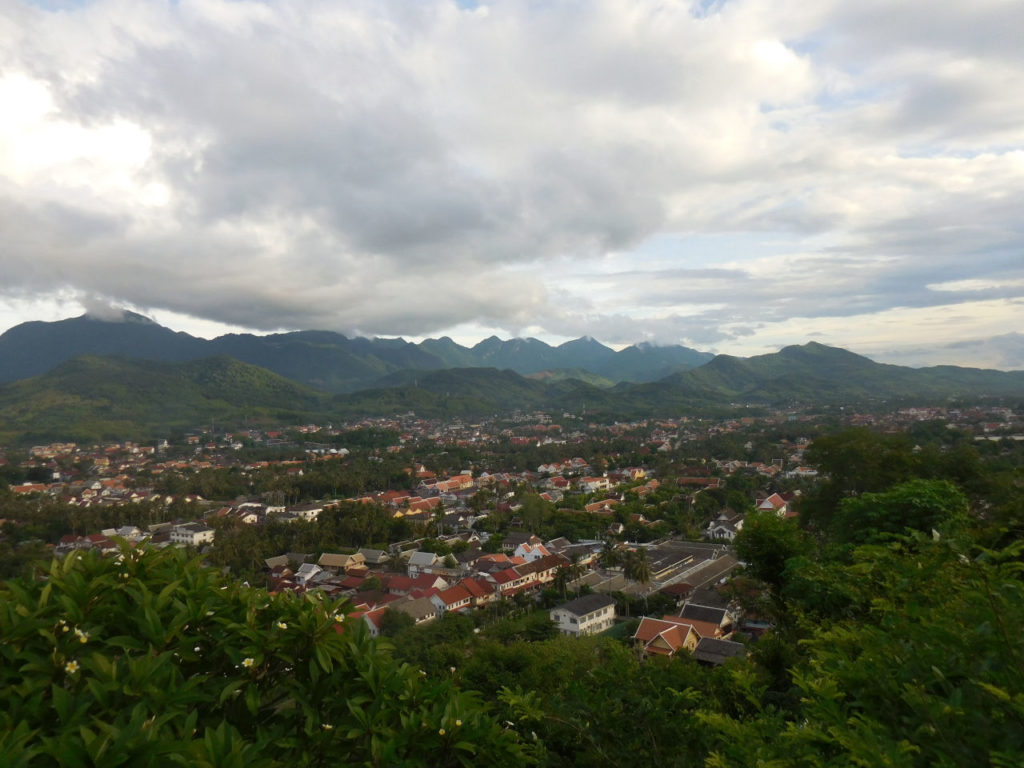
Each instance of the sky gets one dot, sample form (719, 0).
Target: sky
(731, 175)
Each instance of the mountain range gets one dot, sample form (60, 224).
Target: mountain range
(127, 387)
(323, 359)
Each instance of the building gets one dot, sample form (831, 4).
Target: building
(192, 534)
(585, 615)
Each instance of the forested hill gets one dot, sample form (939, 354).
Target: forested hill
(815, 373)
(94, 398)
(90, 399)
(322, 359)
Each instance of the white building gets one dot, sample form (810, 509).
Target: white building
(192, 534)
(585, 615)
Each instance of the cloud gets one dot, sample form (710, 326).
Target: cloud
(412, 167)
(1003, 352)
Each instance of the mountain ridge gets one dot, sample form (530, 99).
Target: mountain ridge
(322, 359)
(98, 397)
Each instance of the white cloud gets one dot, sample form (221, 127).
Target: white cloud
(413, 167)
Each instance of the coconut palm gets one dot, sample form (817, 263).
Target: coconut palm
(636, 566)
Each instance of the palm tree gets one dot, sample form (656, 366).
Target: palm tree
(610, 555)
(636, 566)
(569, 573)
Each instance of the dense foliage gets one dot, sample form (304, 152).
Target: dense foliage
(150, 658)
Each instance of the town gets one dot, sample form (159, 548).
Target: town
(411, 519)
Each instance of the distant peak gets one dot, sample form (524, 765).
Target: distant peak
(113, 315)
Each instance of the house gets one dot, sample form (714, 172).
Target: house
(542, 570)
(708, 620)
(371, 619)
(340, 562)
(421, 561)
(593, 484)
(192, 534)
(512, 541)
(714, 651)
(664, 637)
(421, 609)
(277, 561)
(774, 503)
(531, 552)
(306, 572)
(725, 526)
(374, 557)
(307, 512)
(678, 591)
(601, 507)
(456, 598)
(509, 581)
(585, 615)
(481, 591)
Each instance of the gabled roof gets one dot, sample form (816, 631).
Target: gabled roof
(664, 637)
(454, 595)
(477, 587)
(334, 560)
(400, 583)
(713, 651)
(423, 558)
(506, 576)
(587, 604)
(703, 628)
(718, 616)
(429, 581)
(373, 555)
(419, 608)
(541, 564)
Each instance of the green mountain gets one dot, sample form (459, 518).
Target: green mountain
(647, 362)
(815, 373)
(578, 374)
(94, 398)
(467, 392)
(322, 359)
(89, 399)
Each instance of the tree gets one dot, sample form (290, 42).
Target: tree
(392, 622)
(610, 555)
(917, 505)
(767, 543)
(636, 566)
(922, 668)
(855, 461)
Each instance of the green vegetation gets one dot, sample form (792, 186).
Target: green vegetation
(97, 398)
(151, 659)
(896, 604)
(94, 399)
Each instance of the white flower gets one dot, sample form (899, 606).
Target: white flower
(248, 662)
(327, 726)
(71, 667)
(197, 649)
(441, 731)
(282, 625)
(458, 723)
